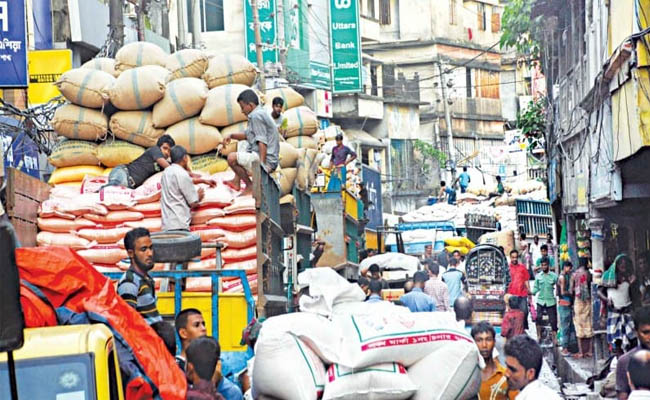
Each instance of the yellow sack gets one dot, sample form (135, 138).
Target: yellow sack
(462, 250)
(118, 152)
(107, 172)
(74, 174)
(68, 153)
(209, 163)
(465, 242)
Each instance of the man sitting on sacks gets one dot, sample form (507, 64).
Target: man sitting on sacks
(260, 142)
(153, 160)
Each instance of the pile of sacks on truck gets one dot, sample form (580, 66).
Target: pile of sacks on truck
(340, 347)
(116, 108)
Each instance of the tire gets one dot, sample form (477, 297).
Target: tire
(175, 246)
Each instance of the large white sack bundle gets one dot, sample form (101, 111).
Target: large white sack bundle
(459, 378)
(380, 336)
(86, 87)
(83, 123)
(388, 381)
(102, 64)
(285, 368)
(301, 121)
(289, 95)
(183, 99)
(186, 63)
(318, 332)
(135, 127)
(138, 54)
(229, 69)
(392, 261)
(139, 88)
(221, 107)
(326, 289)
(196, 137)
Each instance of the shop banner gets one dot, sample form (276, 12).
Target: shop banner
(268, 30)
(45, 68)
(345, 45)
(372, 181)
(13, 44)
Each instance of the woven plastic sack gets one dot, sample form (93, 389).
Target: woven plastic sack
(289, 95)
(139, 88)
(74, 174)
(135, 127)
(221, 107)
(73, 241)
(67, 153)
(83, 123)
(235, 223)
(86, 87)
(209, 163)
(196, 137)
(118, 152)
(303, 142)
(102, 64)
(288, 155)
(138, 54)
(63, 225)
(229, 69)
(301, 121)
(184, 98)
(186, 63)
(378, 382)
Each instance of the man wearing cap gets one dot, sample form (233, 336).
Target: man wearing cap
(416, 300)
(179, 195)
(342, 155)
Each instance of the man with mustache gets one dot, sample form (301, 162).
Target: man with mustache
(136, 287)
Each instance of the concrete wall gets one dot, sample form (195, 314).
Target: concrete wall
(399, 122)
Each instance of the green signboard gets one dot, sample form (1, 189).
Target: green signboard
(321, 76)
(268, 29)
(345, 46)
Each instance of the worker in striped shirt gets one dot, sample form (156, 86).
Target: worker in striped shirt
(136, 287)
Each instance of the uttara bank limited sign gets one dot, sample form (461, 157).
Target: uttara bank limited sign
(345, 46)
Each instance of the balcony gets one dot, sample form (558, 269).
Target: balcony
(358, 105)
(370, 31)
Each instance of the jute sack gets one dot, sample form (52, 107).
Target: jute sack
(196, 137)
(186, 63)
(68, 153)
(286, 178)
(118, 152)
(221, 107)
(184, 98)
(76, 122)
(303, 142)
(291, 97)
(229, 69)
(102, 64)
(302, 169)
(301, 122)
(86, 87)
(135, 127)
(288, 155)
(234, 128)
(209, 163)
(138, 54)
(139, 88)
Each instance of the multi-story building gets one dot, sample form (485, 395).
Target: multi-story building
(595, 58)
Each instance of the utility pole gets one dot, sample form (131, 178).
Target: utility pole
(450, 138)
(180, 15)
(195, 16)
(258, 44)
(116, 22)
(141, 12)
(280, 38)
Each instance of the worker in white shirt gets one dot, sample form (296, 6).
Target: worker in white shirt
(524, 362)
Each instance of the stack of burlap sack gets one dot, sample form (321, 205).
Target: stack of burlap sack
(340, 347)
(118, 108)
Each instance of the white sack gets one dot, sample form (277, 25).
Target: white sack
(388, 381)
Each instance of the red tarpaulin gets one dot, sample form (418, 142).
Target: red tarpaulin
(68, 281)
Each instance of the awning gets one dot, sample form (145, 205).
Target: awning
(363, 138)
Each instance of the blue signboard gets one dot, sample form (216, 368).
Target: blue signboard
(13, 44)
(19, 149)
(372, 182)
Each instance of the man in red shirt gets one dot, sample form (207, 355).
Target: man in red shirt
(513, 320)
(518, 284)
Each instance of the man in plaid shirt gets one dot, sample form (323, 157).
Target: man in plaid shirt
(436, 288)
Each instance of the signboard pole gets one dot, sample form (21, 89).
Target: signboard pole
(258, 44)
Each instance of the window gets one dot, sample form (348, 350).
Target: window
(371, 9)
(452, 11)
(373, 80)
(482, 17)
(384, 12)
(211, 15)
(496, 22)
(468, 81)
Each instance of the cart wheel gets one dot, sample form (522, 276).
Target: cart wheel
(175, 246)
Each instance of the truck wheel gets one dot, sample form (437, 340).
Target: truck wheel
(175, 246)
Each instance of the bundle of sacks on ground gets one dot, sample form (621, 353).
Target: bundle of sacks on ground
(118, 108)
(340, 347)
(93, 220)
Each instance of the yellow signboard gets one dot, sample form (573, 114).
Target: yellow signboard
(45, 67)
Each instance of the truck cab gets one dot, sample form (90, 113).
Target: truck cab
(73, 362)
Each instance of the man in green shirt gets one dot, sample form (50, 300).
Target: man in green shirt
(545, 282)
(538, 263)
